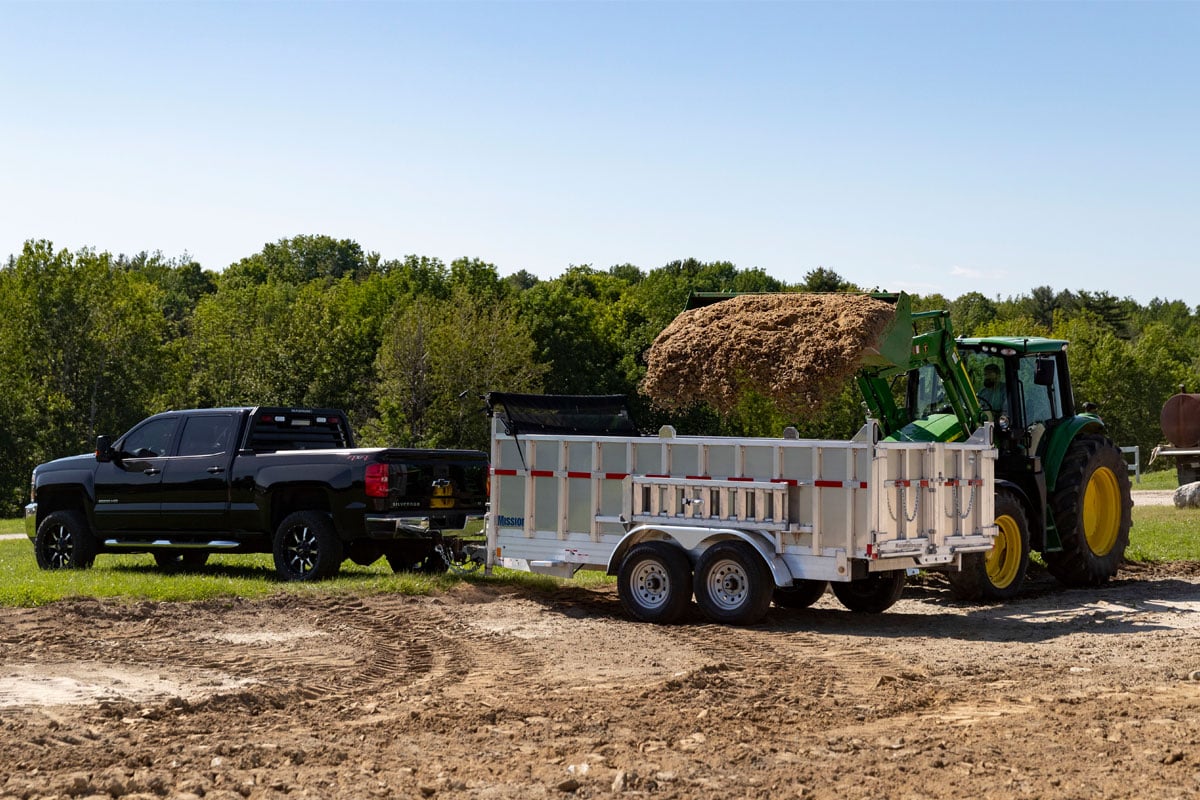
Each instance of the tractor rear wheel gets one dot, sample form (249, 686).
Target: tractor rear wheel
(999, 573)
(1092, 511)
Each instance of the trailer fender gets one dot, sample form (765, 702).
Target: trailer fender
(695, 540)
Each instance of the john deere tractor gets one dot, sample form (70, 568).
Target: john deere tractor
(1062, 487)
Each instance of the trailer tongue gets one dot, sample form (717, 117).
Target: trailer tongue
(736, 521)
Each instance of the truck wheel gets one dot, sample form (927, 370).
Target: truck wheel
(64, 541)
(1092, 510)
(999, 573)
(655, 582)
(801, 594)
(733, 584)
(307, 547)
(181, 561)
(873, 594)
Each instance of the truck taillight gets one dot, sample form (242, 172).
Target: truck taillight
(377, 480)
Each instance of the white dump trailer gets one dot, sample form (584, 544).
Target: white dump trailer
(738, 522)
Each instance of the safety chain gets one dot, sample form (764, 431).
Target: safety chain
(957, 502)
(900, 487)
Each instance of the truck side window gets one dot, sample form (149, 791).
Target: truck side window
(152, 439)
(207, 435)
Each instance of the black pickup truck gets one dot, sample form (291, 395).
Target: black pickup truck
(287, 481)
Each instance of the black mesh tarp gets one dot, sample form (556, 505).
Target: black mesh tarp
(599, 415)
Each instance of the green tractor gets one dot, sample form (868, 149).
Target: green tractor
(1062, 486)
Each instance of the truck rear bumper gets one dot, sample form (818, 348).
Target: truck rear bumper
(386, 528)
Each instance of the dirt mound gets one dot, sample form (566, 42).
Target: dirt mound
(796, 349)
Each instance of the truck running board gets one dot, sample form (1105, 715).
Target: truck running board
(136, 544)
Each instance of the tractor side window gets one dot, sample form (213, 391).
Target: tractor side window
(1042, 403)
(931, 395)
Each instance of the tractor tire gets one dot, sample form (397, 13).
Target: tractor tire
(999, 573)
(307, 547)
(800, 594)
(1092, 509)
(655, 582)
(733, 584)
(64, 541)
(873, 594)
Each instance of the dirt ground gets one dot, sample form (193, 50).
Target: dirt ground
(498, 692)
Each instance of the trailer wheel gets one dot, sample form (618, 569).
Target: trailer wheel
(873, 594)
(1092, 511)
(307, 547)
(64, 541)
(655, 582)
(801, 594)
(176, 561)
(999, 573)
(733, 584)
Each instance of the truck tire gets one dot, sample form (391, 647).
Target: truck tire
(873, 594)
(1092, 510)
(180, 560)
(999, 573)
(801, 594)
(64, 541)
(655, 582)
(307, 547)
(733, 584)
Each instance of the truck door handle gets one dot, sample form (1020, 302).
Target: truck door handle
(151, 471)
(215, 470)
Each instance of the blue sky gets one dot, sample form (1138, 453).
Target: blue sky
(929, 147)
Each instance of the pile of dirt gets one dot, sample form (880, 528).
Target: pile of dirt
(796, 349)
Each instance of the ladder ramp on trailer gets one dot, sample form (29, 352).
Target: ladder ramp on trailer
(573, 488)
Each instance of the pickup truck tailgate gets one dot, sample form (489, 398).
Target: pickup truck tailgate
(424, 482)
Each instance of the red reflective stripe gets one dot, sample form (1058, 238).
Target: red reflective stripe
(903, 483)
(699, 477)
(740, 479)
(828, 484)
(496, 471)
(579, 474)
(658, 476)
(848, 484)
(541, 473)
(615, 476)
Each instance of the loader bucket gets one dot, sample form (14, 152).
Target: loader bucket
(894, 346)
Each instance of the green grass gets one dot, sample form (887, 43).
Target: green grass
(1159, 479)
(1160, 534)
(137, 577)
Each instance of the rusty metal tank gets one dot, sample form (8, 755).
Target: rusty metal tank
(1180, 420)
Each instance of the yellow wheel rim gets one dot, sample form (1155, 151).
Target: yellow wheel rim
(1102, 511)
(1004, 559)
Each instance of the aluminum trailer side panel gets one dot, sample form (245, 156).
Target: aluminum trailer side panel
(816, 509)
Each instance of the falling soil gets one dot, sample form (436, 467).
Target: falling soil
(496, 691)
(796, 349)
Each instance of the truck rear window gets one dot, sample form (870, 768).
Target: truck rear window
(298, 430)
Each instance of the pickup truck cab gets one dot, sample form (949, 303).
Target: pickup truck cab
(289, 481)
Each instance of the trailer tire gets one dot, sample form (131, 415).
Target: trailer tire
(733, 584)
(655, 582)
(999, 573)
(1092, 509)
(64, 541)
(873, 594)
(801, 594)
(307, 547)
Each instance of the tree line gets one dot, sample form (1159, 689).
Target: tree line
(91, 343)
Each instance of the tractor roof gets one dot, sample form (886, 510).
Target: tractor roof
(1022, 344)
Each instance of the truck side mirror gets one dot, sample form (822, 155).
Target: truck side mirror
(1043, 371)
(104, 448)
